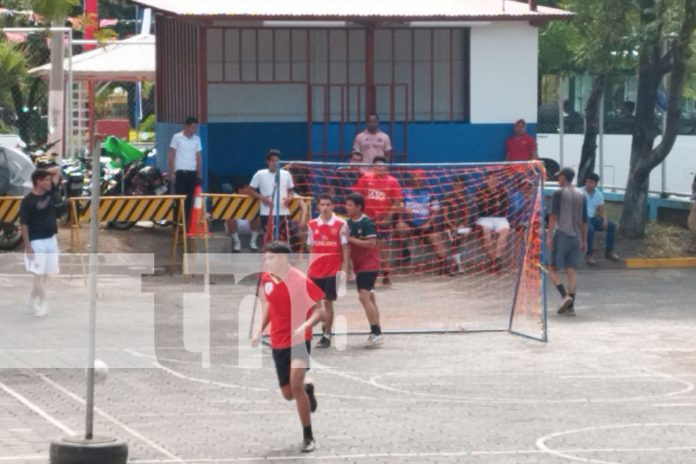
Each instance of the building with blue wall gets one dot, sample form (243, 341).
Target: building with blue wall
(447, 78)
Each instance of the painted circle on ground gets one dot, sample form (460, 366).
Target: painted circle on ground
(601, 444)
(633, 385)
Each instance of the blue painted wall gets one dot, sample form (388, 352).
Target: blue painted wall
(238, 149)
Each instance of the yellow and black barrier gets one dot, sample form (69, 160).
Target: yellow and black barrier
(233, 206)
(223, 207)
(131, 209)
(9, 209)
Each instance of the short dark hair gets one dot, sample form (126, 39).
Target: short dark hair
(593, 177)
(271, 153)
(277, 248)
(190, 120)
(357, 199)
(39, 174)
(325, 196)
(369, 115)
(379, 159)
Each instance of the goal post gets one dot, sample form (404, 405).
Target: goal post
(461, 244)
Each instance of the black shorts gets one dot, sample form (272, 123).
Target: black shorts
(328, 286)
(284, 357)
(366, 280)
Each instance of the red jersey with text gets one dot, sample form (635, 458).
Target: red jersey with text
(380, 192)
(326, 241)
(290, 303)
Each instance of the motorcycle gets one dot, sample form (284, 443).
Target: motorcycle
(132, 174)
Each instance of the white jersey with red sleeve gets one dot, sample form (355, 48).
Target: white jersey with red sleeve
(326, 241)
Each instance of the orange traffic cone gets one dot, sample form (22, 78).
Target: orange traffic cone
(197, 227)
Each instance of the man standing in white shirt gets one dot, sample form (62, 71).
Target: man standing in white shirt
(185, 161)
(372, 142)
(263, 188)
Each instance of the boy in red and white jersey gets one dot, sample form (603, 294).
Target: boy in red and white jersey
(328, 243)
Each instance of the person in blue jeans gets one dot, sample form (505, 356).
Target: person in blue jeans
(598, 220)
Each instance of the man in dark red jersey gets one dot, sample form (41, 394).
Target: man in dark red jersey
(328, 244)
(289, 300)
(365, 257)
(521, 146)
(382, 194)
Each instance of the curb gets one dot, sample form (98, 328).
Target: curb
(660, 263)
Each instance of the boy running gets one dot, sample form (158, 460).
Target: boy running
(328, 243)
(365, 257)
(288, 301)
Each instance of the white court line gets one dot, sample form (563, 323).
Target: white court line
(52, 420)
(674, 405)
(566, 454)
(442, 454)
(112, 419)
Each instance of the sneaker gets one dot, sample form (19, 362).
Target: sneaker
(612, 256)
(236, 246)
(253, 245)
(386, 281)
(374, 341)
(591, 260)
(40, 309)
(308, 446)
(565, 305)
(324, 342)
(570, 311)
(309, 389)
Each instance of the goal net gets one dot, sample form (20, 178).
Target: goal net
(461, 244)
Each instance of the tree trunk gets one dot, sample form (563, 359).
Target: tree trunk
(589, 144)
(653, 66)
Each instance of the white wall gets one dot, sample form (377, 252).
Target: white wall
(681, 163)
(504, 60)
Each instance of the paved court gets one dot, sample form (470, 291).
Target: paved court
(613, 385)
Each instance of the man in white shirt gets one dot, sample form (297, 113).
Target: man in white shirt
(598, 220)
(263, 188)
(185, 161)
(372, 142)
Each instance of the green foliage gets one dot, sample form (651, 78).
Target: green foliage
(53, 10)
(13, 64)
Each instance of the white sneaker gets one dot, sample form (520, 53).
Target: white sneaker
(253, 245)
(40, 309)
(565, 305)
(236, 245)
(374, 341)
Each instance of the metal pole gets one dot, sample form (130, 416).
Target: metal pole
(561, 124)
(601, 140)
(664, 163)
(93, 270)
(69, 96)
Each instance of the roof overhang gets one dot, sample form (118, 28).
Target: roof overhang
(357, 11)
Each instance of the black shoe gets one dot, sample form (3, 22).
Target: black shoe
(386, 281)
(324, 342)
(308, 446)
(309, 389)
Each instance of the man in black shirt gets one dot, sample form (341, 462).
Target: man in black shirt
(493, 203)
(37, 217)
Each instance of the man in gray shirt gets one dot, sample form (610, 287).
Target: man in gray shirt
(567, 237)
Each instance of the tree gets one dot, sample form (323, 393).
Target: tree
(598, 41)
(667, 32)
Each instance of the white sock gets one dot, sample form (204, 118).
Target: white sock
(254, 236)
(235, 237)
